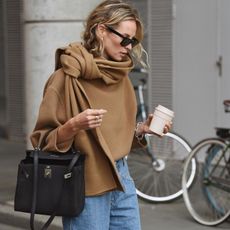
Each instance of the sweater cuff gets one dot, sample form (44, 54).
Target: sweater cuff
(57, 147)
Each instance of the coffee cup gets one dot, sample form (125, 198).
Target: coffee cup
(161, 117)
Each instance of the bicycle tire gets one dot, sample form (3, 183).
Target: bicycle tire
(208, 204)
(160, 184)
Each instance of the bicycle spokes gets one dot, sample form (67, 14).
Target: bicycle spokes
(157, 169)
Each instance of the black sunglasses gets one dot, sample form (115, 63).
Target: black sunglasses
(125, 40)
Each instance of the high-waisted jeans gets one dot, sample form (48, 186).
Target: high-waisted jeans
(113, 210)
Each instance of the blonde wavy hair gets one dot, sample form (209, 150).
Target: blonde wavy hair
(111, 13)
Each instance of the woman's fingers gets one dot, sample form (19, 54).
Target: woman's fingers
(147, 123)
(91, 118)
(167, 127)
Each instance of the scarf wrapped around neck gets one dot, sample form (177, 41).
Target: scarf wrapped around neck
(81, 82)
(78, 62)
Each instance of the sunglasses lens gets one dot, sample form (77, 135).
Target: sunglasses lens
(127, 41)
(134, 42)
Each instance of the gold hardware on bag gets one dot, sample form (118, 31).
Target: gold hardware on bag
(47, 172)
(67, 175)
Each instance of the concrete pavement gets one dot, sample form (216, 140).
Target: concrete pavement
(173, 216)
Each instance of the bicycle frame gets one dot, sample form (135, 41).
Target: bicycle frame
(157, 164)
(219, 182)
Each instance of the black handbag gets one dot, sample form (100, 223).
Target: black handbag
(50, 183)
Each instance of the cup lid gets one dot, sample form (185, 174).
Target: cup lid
(165, 110)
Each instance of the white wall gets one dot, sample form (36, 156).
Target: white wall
(194, 69)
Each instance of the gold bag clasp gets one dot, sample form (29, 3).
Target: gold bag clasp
(47, 172)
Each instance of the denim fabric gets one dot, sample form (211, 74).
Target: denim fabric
(113, 210)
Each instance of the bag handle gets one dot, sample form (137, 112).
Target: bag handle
(66, 176)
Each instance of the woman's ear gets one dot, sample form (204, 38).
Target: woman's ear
(101, 30)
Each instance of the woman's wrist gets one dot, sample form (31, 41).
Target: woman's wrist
(66, 132)
(138, 133)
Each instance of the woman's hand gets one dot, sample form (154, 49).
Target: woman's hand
(143, 127)
(88, 119)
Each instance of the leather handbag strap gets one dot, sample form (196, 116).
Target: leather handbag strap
(66, 176)
(35, 183)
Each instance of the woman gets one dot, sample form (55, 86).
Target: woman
(89, 102)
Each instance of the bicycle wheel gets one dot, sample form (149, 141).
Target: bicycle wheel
(157, 170)
(208, 199)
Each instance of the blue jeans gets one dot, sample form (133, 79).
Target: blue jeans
(113, 210)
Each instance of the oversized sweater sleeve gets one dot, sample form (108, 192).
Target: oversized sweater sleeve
(50, 117)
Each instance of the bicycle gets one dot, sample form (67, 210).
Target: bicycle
(208, 199)
(157, 169)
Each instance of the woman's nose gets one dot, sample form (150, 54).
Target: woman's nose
(129, 46)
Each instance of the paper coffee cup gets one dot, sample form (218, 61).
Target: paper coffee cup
(161, 117)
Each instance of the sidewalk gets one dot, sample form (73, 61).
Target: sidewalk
(173, 216)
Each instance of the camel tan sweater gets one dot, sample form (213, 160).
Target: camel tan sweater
(80, 82)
